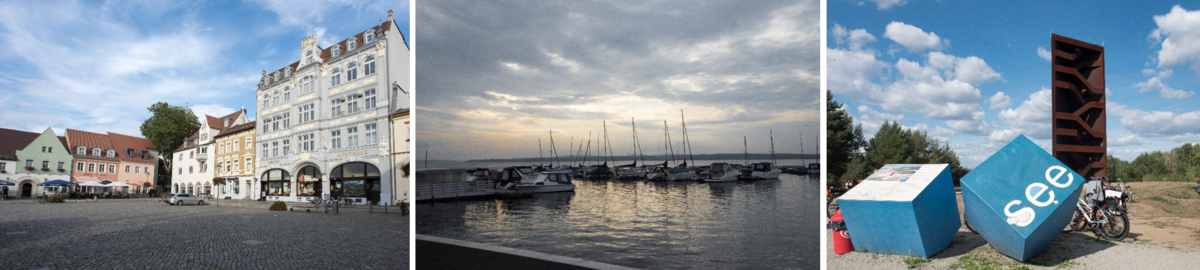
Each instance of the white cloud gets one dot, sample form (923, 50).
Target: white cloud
(999, 100)
(1032, 117)
(307, 14)
(871, 120)
(854, 73)
(1156, 83)
(974, 70)
(886, 4)
(1179, 36)
(913, 38)
(922, 89)
(1043, 53)
(1157, 123)
(854, 39)
(1132, 139)
(216, 110)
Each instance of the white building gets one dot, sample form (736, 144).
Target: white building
(323, 120)
(192, 163)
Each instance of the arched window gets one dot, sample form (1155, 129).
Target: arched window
(356, 180)
(276, 182)
(369, 65)
(308, 181)
(275, 98)
(336, 77)
(287, 93)
(351, 71)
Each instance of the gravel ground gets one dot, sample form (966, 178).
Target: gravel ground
(1161, 236)
(154, 235)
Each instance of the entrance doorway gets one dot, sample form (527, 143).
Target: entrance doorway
(26, 190)
(356, 179)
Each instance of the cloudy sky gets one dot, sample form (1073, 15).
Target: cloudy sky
(493, 78)
(97, 65)
(976, 74)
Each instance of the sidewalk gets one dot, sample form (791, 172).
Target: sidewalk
(444, 253)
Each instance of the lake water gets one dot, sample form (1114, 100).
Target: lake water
(421, 164)
(655, 225)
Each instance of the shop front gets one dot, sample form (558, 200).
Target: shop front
(356, 181)
(308, 183)
(276, 184)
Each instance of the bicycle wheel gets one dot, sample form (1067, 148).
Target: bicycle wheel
(1115, 227)
(831, 207)
(969, 227)
(1078, 222)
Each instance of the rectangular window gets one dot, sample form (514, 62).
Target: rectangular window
(266, 125)
(265, 148)
(219, 166)
(369, 102)
(227, 165)
(135, 169)
(248, 144)
(91, 167)
(3, 166)
(46, 164)
(337, 107)
(126, 168)
(29, 163)
(248, 162)
(79, 167)
(220, 149)
(371, 134)
(287, 93)
(112, 168)
(352, 103)
(237, 145)
(336, 136)
(352, 136)
(287, 118)
(146, 171)
(303, 112)
(275, 149)
(237, 166)
(275, 124)
(61, 164)
(286, 147)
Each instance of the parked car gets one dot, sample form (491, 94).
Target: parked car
(182, 198)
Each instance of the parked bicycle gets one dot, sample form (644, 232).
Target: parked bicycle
(1094, 211)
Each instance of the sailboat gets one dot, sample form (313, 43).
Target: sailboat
(766, 170)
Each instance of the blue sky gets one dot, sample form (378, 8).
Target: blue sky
(975, 73)
(97, 66)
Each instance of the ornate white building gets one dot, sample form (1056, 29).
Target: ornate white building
(323, 121)
(193, 161)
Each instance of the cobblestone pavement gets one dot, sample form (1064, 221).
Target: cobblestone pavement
(154, 235)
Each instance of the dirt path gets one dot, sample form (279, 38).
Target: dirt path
(1164, 234)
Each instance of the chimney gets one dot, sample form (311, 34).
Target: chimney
(389, 15)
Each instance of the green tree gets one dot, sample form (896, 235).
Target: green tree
(167, 127)
(890, 145)
(857, 169)
(843, 138)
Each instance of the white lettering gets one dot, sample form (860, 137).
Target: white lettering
(1022, 217)
(1042, 189)
(1054, 180)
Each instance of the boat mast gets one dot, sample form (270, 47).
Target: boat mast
(667, 133)
(746, 148)
(608, 143)
(773, 162)
(685, 137)
(802, 159)
(554, 150)
(589, 149)
(637, 143)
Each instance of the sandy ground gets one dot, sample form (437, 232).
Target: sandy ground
(1164, 234)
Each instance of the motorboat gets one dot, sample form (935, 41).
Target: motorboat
(601, 172)
(479, 174)
(632, 173)
(721, 172)
(764, 170)
(524, 178)
(678, 173)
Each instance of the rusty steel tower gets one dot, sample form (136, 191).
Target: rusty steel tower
(1078, 98)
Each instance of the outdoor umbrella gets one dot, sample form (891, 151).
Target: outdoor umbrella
(6, 183)
(57, 183)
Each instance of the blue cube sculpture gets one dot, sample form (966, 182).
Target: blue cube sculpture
(905, 209)
(1020, 198)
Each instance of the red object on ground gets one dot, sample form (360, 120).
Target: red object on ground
(841, 239)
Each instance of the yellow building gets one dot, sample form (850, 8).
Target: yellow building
(235, 161)
(401, 125)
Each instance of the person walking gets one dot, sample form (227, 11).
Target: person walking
(3, 193)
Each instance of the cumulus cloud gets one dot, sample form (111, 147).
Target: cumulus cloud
(871, 120)
(1043, 53)
(854, 73)
(215, 110)
(1156, 83)
(912, 38)
(999, 100)
(1031, 118)
(855, 39)
(887, 4)
(1158, 123)
(1132, 139)
(1179, 36)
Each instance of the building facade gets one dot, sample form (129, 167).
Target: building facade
(323, 120)
(103, 158)
(28, 159)
(192, 162)
(235, 161)
(400, 128)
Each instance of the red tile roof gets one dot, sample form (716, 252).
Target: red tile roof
(14, 140)
(123, 142)
(237, 128)
(90, 140)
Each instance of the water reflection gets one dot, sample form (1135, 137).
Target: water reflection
(762, 224)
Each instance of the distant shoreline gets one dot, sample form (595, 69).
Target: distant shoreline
(649, 158)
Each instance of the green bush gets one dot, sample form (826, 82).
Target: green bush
(278, 206)
(56, 199)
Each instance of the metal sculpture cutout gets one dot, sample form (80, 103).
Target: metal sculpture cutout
(1078, 99)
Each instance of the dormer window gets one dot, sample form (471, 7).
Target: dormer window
(276, 78)
(336, 51)
(145, 154)
(111, 153)
(226, 122)
(287, 72)
(82, 150)
(308, 56)
(96, 151)
(369, 36)
(353, 43)
(129, 152)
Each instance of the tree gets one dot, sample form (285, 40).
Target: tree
(890, 145)
(843, 137)
(167, 127)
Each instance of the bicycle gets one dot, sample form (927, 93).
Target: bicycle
(1107, 220)
(347, 202)
(44, 199)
